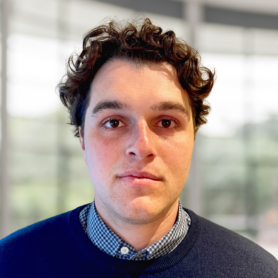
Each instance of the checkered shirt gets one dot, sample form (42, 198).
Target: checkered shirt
(107, 241)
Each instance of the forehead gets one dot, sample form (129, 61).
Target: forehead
(119, 70)
(131, 82)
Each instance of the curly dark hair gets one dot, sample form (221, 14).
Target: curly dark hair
(140, 42)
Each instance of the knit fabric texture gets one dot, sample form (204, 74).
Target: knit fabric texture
(109, 242)
(58, 247)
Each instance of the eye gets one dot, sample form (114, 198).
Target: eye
(166, 123)
(113, 123)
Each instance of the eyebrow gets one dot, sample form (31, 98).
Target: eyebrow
(108, 104)
(170, 105)
(162, 106)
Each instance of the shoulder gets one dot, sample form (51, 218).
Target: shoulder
(41, 228)
(220, 248)
(38, 242)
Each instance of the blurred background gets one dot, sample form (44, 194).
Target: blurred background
(233, 178)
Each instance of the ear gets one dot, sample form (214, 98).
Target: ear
(82, 143)
(81, 139)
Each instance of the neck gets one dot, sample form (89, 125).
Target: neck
(140, 236)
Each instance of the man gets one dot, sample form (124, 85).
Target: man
(136, 99)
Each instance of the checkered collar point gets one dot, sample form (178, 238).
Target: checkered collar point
(107, 241)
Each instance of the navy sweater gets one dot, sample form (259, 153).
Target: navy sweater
(58, 247)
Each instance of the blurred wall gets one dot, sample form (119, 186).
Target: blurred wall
(234, 173)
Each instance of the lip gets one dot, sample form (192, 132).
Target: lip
(139, 175)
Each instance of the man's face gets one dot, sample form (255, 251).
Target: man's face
(138, 140)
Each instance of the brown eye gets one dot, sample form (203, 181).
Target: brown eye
(166, 123)
(114, 123)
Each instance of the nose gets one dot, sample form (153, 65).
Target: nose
(141, 144)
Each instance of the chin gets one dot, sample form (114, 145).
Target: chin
(140, 211)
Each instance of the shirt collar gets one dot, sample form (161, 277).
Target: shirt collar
(109, 242)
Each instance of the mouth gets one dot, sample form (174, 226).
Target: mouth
(139, 176)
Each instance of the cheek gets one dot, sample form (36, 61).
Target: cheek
(100, 151)
(177, 156)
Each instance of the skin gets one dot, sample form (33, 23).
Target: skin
(138, 123)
